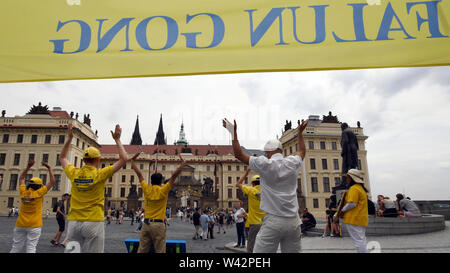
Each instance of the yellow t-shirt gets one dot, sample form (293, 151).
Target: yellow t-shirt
(30, 215)
(255, 214)
(155, 200)
(359, 215)
(88, 189)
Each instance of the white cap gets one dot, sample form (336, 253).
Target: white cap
(272, 145)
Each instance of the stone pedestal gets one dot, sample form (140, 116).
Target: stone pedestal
(132, 199)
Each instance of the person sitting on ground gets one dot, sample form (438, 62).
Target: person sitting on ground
(409, 207)
(308, 221)
(371, 206)
(390, 208)
(380, 206)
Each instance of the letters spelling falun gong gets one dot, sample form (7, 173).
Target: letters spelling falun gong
(53, 40)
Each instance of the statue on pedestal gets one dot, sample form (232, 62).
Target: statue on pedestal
(350, 148)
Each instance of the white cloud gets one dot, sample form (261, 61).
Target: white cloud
(403, 111)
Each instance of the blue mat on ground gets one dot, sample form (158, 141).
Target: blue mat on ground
(172, 246)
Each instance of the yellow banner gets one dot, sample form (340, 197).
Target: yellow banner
(84, 39)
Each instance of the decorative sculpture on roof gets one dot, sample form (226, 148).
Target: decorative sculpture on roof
(87, 120)
(288, 125)
(71, 114)
(39, 110)
(3, 113)
(330, 118)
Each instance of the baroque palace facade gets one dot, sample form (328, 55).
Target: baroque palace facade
(208, 180)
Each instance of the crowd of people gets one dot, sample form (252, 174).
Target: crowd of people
(271, 222)
(401, 207)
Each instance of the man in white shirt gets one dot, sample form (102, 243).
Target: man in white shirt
(239, 218)
(278, 182)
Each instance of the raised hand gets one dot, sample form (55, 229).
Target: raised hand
(30, 163)
(117, 132)
(70, 130)
(303, 125)
(45, 164)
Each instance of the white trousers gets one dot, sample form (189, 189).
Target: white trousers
(90, 236)
(28, 237)
(358, 235)
(279, 231)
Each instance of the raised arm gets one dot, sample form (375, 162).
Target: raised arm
(122, 153)
(177, 171)
(241, 156)
(24, 173)
(52, 177)
(239, 183)
(135, 168)
(65, 150)
(301, 142)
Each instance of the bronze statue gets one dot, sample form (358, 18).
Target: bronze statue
(350, 148)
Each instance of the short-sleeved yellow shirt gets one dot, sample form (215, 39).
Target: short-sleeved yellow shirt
(360, 214)
(255, 214)
(88, 188)
(155, 200)
(30, 215)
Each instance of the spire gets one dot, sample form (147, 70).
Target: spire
(136, 139)
(160, 139)
(182, 138)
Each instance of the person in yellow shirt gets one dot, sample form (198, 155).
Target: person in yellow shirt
(154, 229)
(28, 225)
(355, 212)
(86, 215)
(255, 215)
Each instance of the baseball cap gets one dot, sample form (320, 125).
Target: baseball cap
(35, 181)
(272, 145)
(91, 152)
(255, 178)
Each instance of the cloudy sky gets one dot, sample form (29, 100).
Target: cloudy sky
(404, 111)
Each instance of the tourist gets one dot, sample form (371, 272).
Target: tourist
(308, 221)
(239, 218)
(141, 220)
(60, 218)
(380, 205)
(330, 227)
(131, 215)
(390, 208)
(255, 215)
(278, 176)
(220, 221)
(406, 207)
(196, 221)
(204, 222)
(156, 196)
(211, 224)
(29, 222)
(86, 215)
(355, 211)
(121, 213)
(108, 216)
(47, 213)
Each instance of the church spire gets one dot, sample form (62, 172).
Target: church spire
(182, 138)
(160, 139)
(136, 139)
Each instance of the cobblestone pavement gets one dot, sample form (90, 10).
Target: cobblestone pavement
(434, 242)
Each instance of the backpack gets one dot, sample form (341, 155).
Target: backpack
(371, 207)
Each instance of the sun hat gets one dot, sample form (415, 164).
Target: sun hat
(272, 145)
(357, 175)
